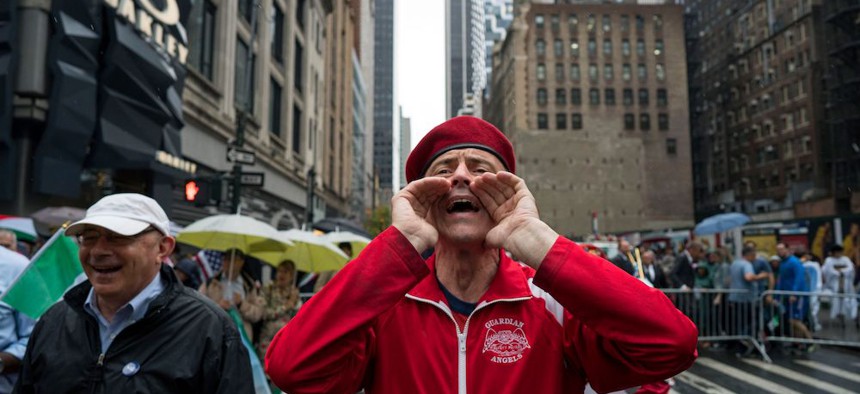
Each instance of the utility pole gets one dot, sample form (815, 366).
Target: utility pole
(241, 113)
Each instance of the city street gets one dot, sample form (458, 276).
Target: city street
(828, 370)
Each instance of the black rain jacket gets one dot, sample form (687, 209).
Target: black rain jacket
(184, 344)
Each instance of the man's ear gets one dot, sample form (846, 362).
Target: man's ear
(165, 247)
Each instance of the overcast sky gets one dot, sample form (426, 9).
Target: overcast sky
(420, 62)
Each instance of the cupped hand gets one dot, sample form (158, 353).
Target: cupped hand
(518, 226)
(411, 210)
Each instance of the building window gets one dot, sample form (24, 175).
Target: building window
(559, 72)
(661, 72)
(539, 21)
(625, 23)
(626, 71)
(574, 48)
(244, 97)
(276, 29)
(298, 66)
(576, 121)
(275, 107)
(642, 71)
(607, 72)
(607, 47)
(541, 72)
(592, 72)
(594, 96)
(628, 97)
(246, 7)
(629, 122)
(561, 121)
(553, 22)
(671, 146)
(663, 122)
(658, 22)
(543, 122)
(640, 47)
(297, 129)
(592, 47)
(540, 47)
(558, 48)
(591, 22)
(643, 97)
(561, 96)
(640, 23)
(662, 98)
(644, 122)
(576, 96)
(572, 23)
(625, 47)
(607, 23)
(541, 96)
(574, 72)
(609, 96)
(658, 47)
(201, 36)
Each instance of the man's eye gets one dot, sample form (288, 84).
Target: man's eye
(443, 171)
(481, 170)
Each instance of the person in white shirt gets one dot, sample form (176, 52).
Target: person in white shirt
(839, 279)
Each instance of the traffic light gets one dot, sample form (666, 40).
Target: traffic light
(203, 191)
(191, 190)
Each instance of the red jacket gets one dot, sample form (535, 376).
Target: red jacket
(383, 324)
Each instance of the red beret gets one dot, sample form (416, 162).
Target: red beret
(459, 133)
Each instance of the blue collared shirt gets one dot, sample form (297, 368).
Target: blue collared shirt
(126, 315)
(15, 327)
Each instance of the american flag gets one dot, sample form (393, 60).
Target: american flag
(210, 262)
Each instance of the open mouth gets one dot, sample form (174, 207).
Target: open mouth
(107, 270)
(462, 205)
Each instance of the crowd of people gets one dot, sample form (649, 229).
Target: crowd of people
(468, 276)
(726, 289)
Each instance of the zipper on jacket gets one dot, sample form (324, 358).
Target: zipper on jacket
(101, 361)
(461, 336)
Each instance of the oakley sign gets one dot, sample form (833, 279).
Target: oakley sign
(153, 23)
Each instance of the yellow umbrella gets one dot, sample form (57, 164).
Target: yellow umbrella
(357, 242)
(225, 232)
(310, 252)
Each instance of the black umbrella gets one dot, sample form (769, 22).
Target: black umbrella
(340, 224)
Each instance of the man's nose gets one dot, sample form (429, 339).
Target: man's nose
(461, 176)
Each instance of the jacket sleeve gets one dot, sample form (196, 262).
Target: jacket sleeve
(231, 372)
(619, 332)
(327, 346)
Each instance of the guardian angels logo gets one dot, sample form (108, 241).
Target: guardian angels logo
(505, 340)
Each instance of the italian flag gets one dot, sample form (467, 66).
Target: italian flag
(50, 273)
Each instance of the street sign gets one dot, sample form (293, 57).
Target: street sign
(252, 178)
(241, 156)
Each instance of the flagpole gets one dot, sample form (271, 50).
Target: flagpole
(36, 257)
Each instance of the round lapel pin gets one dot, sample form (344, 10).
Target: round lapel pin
(130, 368)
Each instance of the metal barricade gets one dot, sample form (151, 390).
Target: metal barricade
(810, 318)
(727, 315)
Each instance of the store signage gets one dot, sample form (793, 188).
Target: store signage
(153, 24)
(175, 162)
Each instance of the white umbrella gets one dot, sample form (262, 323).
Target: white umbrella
(310, 252)
(357, 242)
(225, 232)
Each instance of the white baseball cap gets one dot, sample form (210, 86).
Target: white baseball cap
(125, 214)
